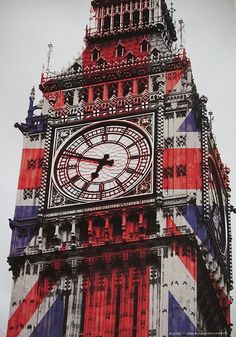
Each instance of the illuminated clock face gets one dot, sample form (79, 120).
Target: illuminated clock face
(217, 208)
(103, 161)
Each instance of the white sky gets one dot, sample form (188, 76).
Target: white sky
(26, 28)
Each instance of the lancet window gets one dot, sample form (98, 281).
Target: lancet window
(97, 92)
(107, 23)
(83, 94)
(130, 57)
(101, 62)
(120, 50)
(95, 54)
(142, 84)
(117, 21)
(136, 18)
(127, 85)
(144, 46)
(112, 89)
(145, 16)
(155, 53)
(126, 19)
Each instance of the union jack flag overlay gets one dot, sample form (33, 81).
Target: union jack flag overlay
(122, 221)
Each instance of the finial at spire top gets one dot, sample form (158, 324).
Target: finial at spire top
(50, 48)
(172, 10)
(32, 93)
(181, 30)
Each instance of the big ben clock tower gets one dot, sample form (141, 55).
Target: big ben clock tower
(122, 221)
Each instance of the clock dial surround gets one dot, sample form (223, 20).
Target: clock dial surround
(217, 210)
(103, 161)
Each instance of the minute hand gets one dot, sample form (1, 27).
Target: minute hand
(80, 156)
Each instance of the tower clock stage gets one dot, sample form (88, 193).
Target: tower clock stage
(103, 161)
(122, 220)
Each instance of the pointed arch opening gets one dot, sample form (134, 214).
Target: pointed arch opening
(136, 18)
(145, 16)
(144, 46)
(126, 19)
(83, 94)
(95, 54)
(112, 89)
(98, 92)
(155, 53)
(107, 23)
(142, 85)
(101, 62)
(127, 87)
(130, 57)
(117, 21)
(76, 67)
(120, 50)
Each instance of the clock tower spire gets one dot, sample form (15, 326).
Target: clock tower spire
(122, 223)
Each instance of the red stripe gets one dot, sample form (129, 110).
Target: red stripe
(27, 308)
(172, 79)
(31, 303)
(192, 159)
(187, 259)
(224, 301)
(57, 98)
(31, 168)
(100, 313)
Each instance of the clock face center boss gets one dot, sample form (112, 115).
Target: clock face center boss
(102, 161)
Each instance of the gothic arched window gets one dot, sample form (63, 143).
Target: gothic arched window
(107, 23)
(112, 89)
(83, 95)
(116, 222)
(117, 21)
(126, 19)
(127, 87)
(98, 227)
(136, 18)
(95, 54)
(142, 84)
(120, 50)
(97, 92)
(144, 46)
(146, 16)
(76, 67)
(101, 62)
(83, 230)
(69, 95)
(130, 57)
(155, 53)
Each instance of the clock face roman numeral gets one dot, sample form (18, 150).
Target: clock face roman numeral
(85, 186)
(137, 156)
(75, 178)
(132, 171)
(101, 190)
(87, 140)
(105, 135)
(119, 183)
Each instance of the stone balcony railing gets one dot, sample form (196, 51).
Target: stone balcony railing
(159, 61)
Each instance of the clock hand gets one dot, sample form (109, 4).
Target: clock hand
(84, 158)
(104, 161)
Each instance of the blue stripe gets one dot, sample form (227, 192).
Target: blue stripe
(193, 215)
(51, 324)
(25, 212)
(178, 322)
(21, 237)
(189, 124)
